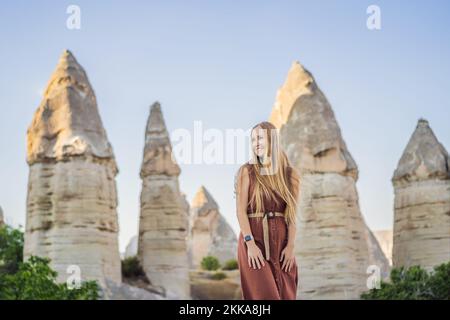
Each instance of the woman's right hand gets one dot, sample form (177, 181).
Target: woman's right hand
(255, 256)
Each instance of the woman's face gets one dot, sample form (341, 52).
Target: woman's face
(259, 141)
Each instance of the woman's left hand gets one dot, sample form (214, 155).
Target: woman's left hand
(287, 258)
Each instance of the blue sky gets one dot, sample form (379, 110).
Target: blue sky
(222, 63)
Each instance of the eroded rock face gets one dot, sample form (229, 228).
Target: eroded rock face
(123, 291)
(422, 201)
(131, 249)
(163, 225)
(210, 233)
(308, 127)
(385, 238)
(377, 256)
(67, 122)
(72, 198)
(332, 239)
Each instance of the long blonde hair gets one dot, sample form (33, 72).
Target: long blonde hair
(273, 178)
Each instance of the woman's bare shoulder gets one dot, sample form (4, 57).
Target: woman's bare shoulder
(244, 169)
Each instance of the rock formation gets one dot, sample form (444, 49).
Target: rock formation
(384, 238)
(422, 202)
(163, 225)
(72, 200)
(332, 242)
(123, 291)
(132, 248)
(377, 256)
(210, 234)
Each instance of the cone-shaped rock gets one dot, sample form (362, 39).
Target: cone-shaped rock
(377, 256)
(422, 202)
(384, 238)
(163, 225)
(332, 245)
(132, 248)
(67, 122)
(309, 126)
(71, 202)
(210, 234)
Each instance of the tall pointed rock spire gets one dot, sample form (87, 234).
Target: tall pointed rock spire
(332, 243)
(299, 82)
(301, 107)
(424, 156)
(204, 199)
(158, 149)
(163, 224)
(67, 122)
(72, 198)
(422, 201)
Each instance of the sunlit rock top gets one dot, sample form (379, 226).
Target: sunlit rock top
(67, 122)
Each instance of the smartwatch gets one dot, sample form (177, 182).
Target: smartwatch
(248, 238)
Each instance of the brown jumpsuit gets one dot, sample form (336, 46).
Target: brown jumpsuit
(270, 282)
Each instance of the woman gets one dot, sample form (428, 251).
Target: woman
(266, 200)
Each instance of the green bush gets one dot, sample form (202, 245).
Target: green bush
(33, 279)
(414, 283)
(210, 263)
(231, 264)
(11, 249)
(131, 268)
(218, 275)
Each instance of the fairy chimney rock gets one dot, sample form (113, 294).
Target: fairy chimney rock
(422, 201)
(158, 149)
(210, 233)
(163, 224)
(301, 107)
(72, 198)
(67, 122)
(423, 158)
(333, 240)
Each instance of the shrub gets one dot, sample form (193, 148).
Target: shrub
(11, 249)
(218, 275)
(131, 268)
(33, 279)
(231, 264)
(414, 283)
(210, 263)
(439, 282)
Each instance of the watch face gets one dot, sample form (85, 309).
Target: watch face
(248, 238)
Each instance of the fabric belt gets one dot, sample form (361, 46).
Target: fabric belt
(265, 216)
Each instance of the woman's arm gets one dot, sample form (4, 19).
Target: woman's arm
(242, 186)
(292, 233)
(255, 257)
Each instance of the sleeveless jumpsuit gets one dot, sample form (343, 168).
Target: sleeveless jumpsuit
(270, 282)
